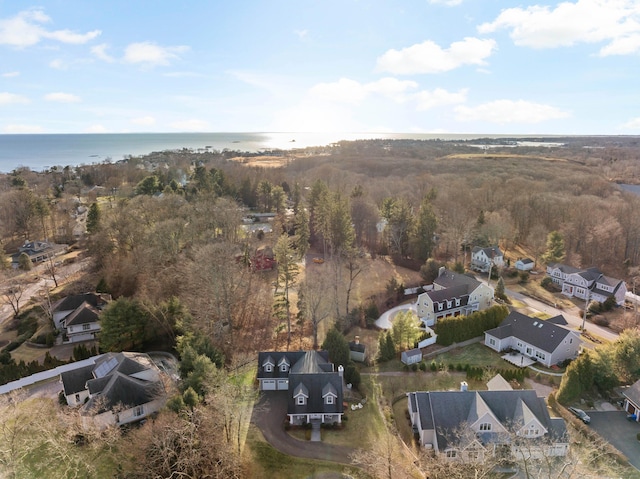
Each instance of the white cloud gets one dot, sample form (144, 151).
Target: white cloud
(150, 54)
(509, 111)
(633, 124)
(11, 98)
(428, 57)
(302, 34)
(25, 29)
(585, 21)
(100, 51)
(96, 129)
(426, 100)
(144, 121)
(22, 129)
(58, 64)
(62, 97)
(10, 74)
(191, 125)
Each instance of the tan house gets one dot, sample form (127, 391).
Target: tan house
(453, 294)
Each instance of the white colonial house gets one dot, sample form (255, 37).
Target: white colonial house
(483, 258)
(547, 342)
(453, 294)
(587, 283)
(470, 426)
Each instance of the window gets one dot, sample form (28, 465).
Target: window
(492, 342)
(473, 455)
(284, 367)
(457, 302)
(485, 426)
(86, 327)
(329, 399)
(268, 368)
(77, 397)
(300, 400)
(541, 355)
(138, 411)
(451, 453)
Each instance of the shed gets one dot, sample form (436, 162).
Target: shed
(524, 264)
(357, 350)
(411, 356)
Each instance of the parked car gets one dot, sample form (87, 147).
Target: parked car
(580, 414)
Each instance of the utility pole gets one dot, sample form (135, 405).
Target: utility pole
(586, 307)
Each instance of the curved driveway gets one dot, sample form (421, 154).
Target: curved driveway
(384, 321)
(269, 414)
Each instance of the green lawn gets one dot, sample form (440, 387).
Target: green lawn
(477, 355)
(268, 462)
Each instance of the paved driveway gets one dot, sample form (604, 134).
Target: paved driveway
(621, 433)
(269, 415)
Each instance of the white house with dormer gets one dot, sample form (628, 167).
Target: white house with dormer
(482, 259)
(453, 294)
(588, 283)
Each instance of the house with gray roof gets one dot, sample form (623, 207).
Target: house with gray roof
(471, 426)
(632, 400)
(453, 294)
(82, 324)
(589, 283)
(547, 342)
(118, 389)
(482, 259)
(314, 388)
(38, 251)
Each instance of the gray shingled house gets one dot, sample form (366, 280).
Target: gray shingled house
(118, 389)
(314, 388)
(473, 425)
(547, 342)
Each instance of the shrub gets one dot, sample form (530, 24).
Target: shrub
(414, 367)
(600, 320)
(546, 282)
(433, 366)
(423, 366)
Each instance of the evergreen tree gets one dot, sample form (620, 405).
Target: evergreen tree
(425, 228)
(499, 292)
(337, 346)
(93, 218)
(555, 248)
(24, 262)
(390, 350)
(303, 234)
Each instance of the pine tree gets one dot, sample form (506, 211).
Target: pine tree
(555, 248)
(93, 218)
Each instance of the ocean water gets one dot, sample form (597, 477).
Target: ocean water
(40, 152)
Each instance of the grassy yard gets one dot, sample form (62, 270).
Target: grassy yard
(268, 462)
(477, 355)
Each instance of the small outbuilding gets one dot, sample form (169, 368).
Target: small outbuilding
(357, 350)
(524, 264)
(411, 356)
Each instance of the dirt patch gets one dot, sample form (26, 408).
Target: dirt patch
(264, 161)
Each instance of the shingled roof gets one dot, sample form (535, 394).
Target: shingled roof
(544, 335)
(85, 313)
(317, 385)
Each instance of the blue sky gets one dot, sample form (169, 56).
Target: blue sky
(420, 66)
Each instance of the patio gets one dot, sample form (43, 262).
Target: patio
(518, 359)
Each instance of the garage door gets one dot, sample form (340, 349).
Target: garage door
(268, 385)
(283, 384)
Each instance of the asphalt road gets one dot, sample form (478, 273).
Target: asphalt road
(269, 415)
(571, 315)
(619, 432)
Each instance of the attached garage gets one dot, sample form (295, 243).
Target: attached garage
(283, 384)
(268, 384)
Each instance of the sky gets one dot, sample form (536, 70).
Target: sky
(419, 66)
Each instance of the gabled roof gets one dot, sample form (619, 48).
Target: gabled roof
(73, 301)
(633, 393)
(447, 411)
(544, 335)
(317, 385)
(490, 252)
(498, 383)
(357, 347)
(117, 379)
(460, 292)
(566, 269)
(450, 279)
(293, 357)
(85, 313)
(525, 261)
(75, 381)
